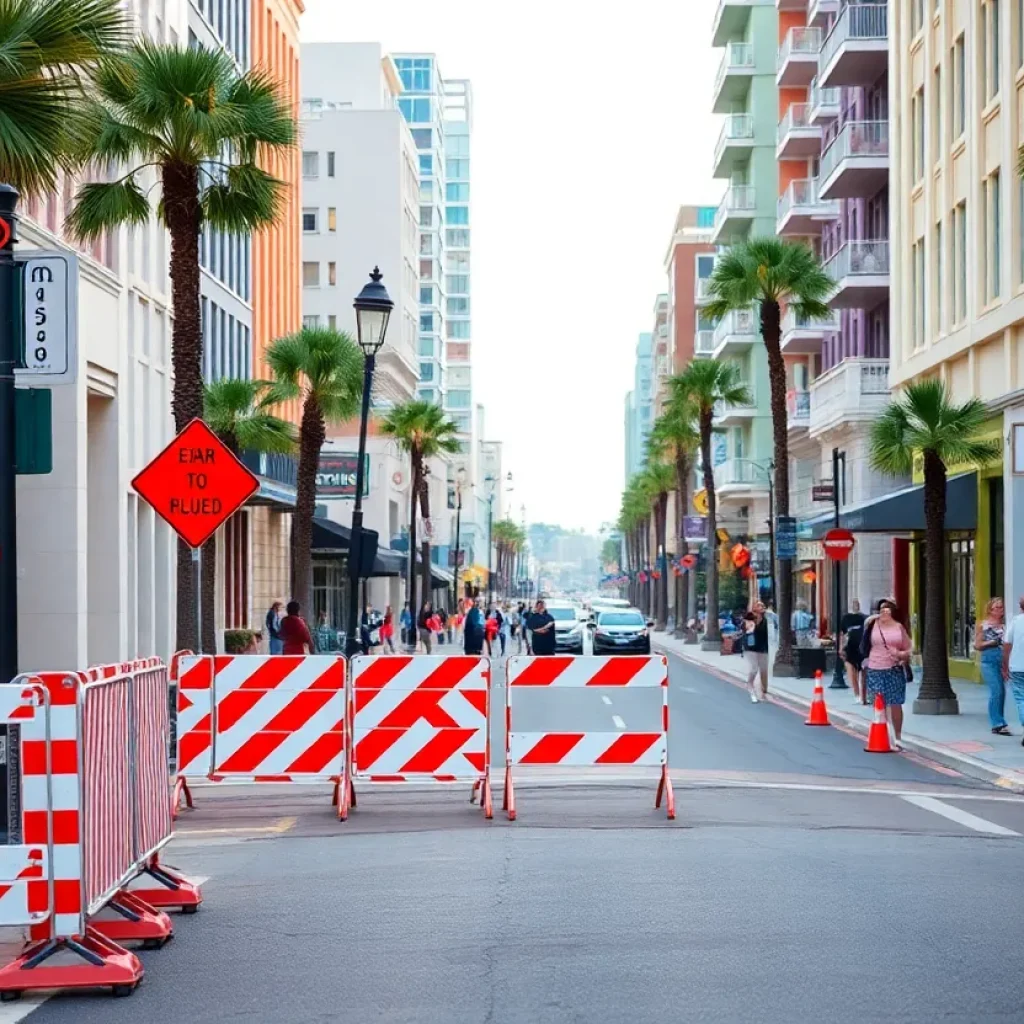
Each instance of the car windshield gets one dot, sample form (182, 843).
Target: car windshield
(620, 619)
(563, 614)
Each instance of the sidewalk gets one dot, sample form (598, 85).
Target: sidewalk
(963, 742)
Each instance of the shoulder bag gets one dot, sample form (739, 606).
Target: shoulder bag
(908, 669)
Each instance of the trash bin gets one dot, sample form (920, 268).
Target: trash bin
(810, 660)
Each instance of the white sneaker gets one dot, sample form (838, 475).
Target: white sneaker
(753, 698)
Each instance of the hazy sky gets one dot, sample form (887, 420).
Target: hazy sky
(589, 131)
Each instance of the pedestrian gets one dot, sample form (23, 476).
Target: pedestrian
(851, 632)
(886, 648)
(326, 637)
(1013, 661)
(755, 651)
(988, 641)
(405, 623)
(442, 618)
(801, 621)
(273, 622)
(387, 630)
(491, 631)
(423, 625)
(773, 625)
(542, 630)
(473, 629)
(294, 632)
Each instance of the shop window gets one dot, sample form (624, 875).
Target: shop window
(960, 562)
(996, 549)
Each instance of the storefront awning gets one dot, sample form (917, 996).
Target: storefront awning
(331, 538)
(902, 511)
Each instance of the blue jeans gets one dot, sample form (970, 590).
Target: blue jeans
(276, 645)
(1017, 682)
(992, 676)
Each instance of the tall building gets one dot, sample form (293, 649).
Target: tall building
(689, 262)
(663, 364)
(745, 91)
(958, 280)
(640, 406)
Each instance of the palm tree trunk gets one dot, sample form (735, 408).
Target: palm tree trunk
(417, 472)
(936, 696)
(311, 439)
(682, 476)
(712, 634)
(661, 519)
(183, 217)
(208, 595)
(425, 577)
(771, 332)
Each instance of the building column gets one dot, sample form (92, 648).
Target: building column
(1013, 517)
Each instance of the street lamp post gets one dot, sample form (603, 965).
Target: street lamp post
(492, 483)
(460, 479)
(373, 308)
(769, 472)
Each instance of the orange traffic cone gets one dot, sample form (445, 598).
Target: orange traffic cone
(878, 734)
(819, 713)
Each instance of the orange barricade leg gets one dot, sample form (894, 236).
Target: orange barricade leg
(173, 890)
(102, 964)
(134, 921)
(181, 790)
(509, 803)
(665, 790)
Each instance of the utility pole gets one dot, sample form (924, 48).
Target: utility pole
(771, 532)
(838, 681)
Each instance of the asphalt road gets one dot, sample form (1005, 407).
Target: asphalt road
(802, 880)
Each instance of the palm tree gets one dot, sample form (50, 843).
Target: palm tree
(508, 541)
(190, 114)
(635, 509)
(47, 49)
(924, 421)
(675, 436)
(324, 368)
(424, 431)
(658, 479)
(235, 411)
(703, 384)
(768, 273)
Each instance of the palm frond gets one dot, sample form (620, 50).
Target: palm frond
(101, 206)
(249, 199)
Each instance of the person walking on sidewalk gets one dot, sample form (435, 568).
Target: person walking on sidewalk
(406, 625)
(295, 638)
(473, 629)
(1013, 661)
(387, 630)
(542, 629)
(423, 624)
(273, 623)
(755, 651)
(886, 647)
(851, 630)
(988, 642)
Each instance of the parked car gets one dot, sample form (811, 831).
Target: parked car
(568, 628)
(621, 631)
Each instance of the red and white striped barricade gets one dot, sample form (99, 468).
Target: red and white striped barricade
(419, 719)
(88, 766)
(260, 718)
(633, 745)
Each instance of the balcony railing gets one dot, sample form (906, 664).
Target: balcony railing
(738, 57)
(704, 343)
(723, 410)
(855, 22)
(853, 389)
(738, 199)
(740, 322)
(797, 116)
(855, 139)
(803, 194)
(824, 102)
(859, 259)
(702, 289)
(798, 42)
(798, 407)
(739, 472)
(792, 322)
(737, 128)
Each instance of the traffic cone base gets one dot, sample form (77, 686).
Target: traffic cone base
(819, 712)
(878, 734)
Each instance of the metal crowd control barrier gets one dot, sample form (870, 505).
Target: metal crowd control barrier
(88, 814)
(419, 719)
(259, 718)
(581, 747)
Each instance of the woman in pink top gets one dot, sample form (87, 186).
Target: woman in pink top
(888, 653)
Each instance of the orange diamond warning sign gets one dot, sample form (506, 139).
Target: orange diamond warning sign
(195, 483)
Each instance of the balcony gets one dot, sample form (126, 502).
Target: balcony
(861, 273)
(704, 343)
(797, 138)
(735, 212)
(856, 51)
(856, 163)
(826, 104)
(739, 478)
(727, 415)
(702, 290)
(736, 332)
(731, 17)
(798, 410)
(801, 211)
(856, 390)
(803, 336)
(819, 10)
(733, 78)
(735, 142)
(797, 62)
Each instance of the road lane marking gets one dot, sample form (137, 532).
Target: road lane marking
(964, 818)
(281, 826)
(607, 700)
(619, 723)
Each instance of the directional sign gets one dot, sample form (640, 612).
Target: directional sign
(195, 483)
(700, 502)
(838, 544)
(49, 302)
(785, 538)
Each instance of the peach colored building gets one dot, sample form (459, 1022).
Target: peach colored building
(691, 240)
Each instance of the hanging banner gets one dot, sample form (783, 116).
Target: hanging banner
(695, 529)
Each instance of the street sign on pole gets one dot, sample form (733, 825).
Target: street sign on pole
(823, 492)
(838, 544)
(785, 538)
(195, 484)
(49, 302)
(695, 529)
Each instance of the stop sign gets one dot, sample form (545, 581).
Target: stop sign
(838, 544)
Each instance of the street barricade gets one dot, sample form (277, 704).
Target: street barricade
(636, 745)
(259, 718)
(419, 719)
(88, 815)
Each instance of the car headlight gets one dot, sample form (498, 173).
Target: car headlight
(601, 633)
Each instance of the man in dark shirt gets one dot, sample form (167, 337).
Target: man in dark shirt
(851, 630)
(542, 626)
(755, 651)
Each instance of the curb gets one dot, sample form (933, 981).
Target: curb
(972, 767)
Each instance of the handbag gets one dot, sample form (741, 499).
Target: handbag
(908, 669)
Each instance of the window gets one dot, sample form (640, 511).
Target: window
(309, 220)
(457, 192)
(427, 297)
(311, 321)
(916, 15)
(310, 275)
(1020, 226)
(330, 163)
(426, 348)
(423, 137)
(426, 216)
(460, 168)
(332, 273)
(332, 218)
(457, 263)
(458, 307)
(427, 322)
(457, 145)
(457, 238)
(918, 292)
(310, 164)
(415, 73)
(917, 128)
(426, 371)
(993, 236)
(960, 263)
(426, 164)
(427, 395)
(959, 86)
(458, 400)
(990, 47)
(940, 295)
(457, 214)
(457, 284)
(705, 265)
(937, 132)
(332, 322)
(457, 329)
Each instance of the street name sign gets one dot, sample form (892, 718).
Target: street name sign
(195, 484)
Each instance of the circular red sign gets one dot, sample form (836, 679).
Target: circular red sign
(838, 544)
(689, 561)
(740, 556)
(5, 232)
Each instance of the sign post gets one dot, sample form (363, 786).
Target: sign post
(195, 484)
